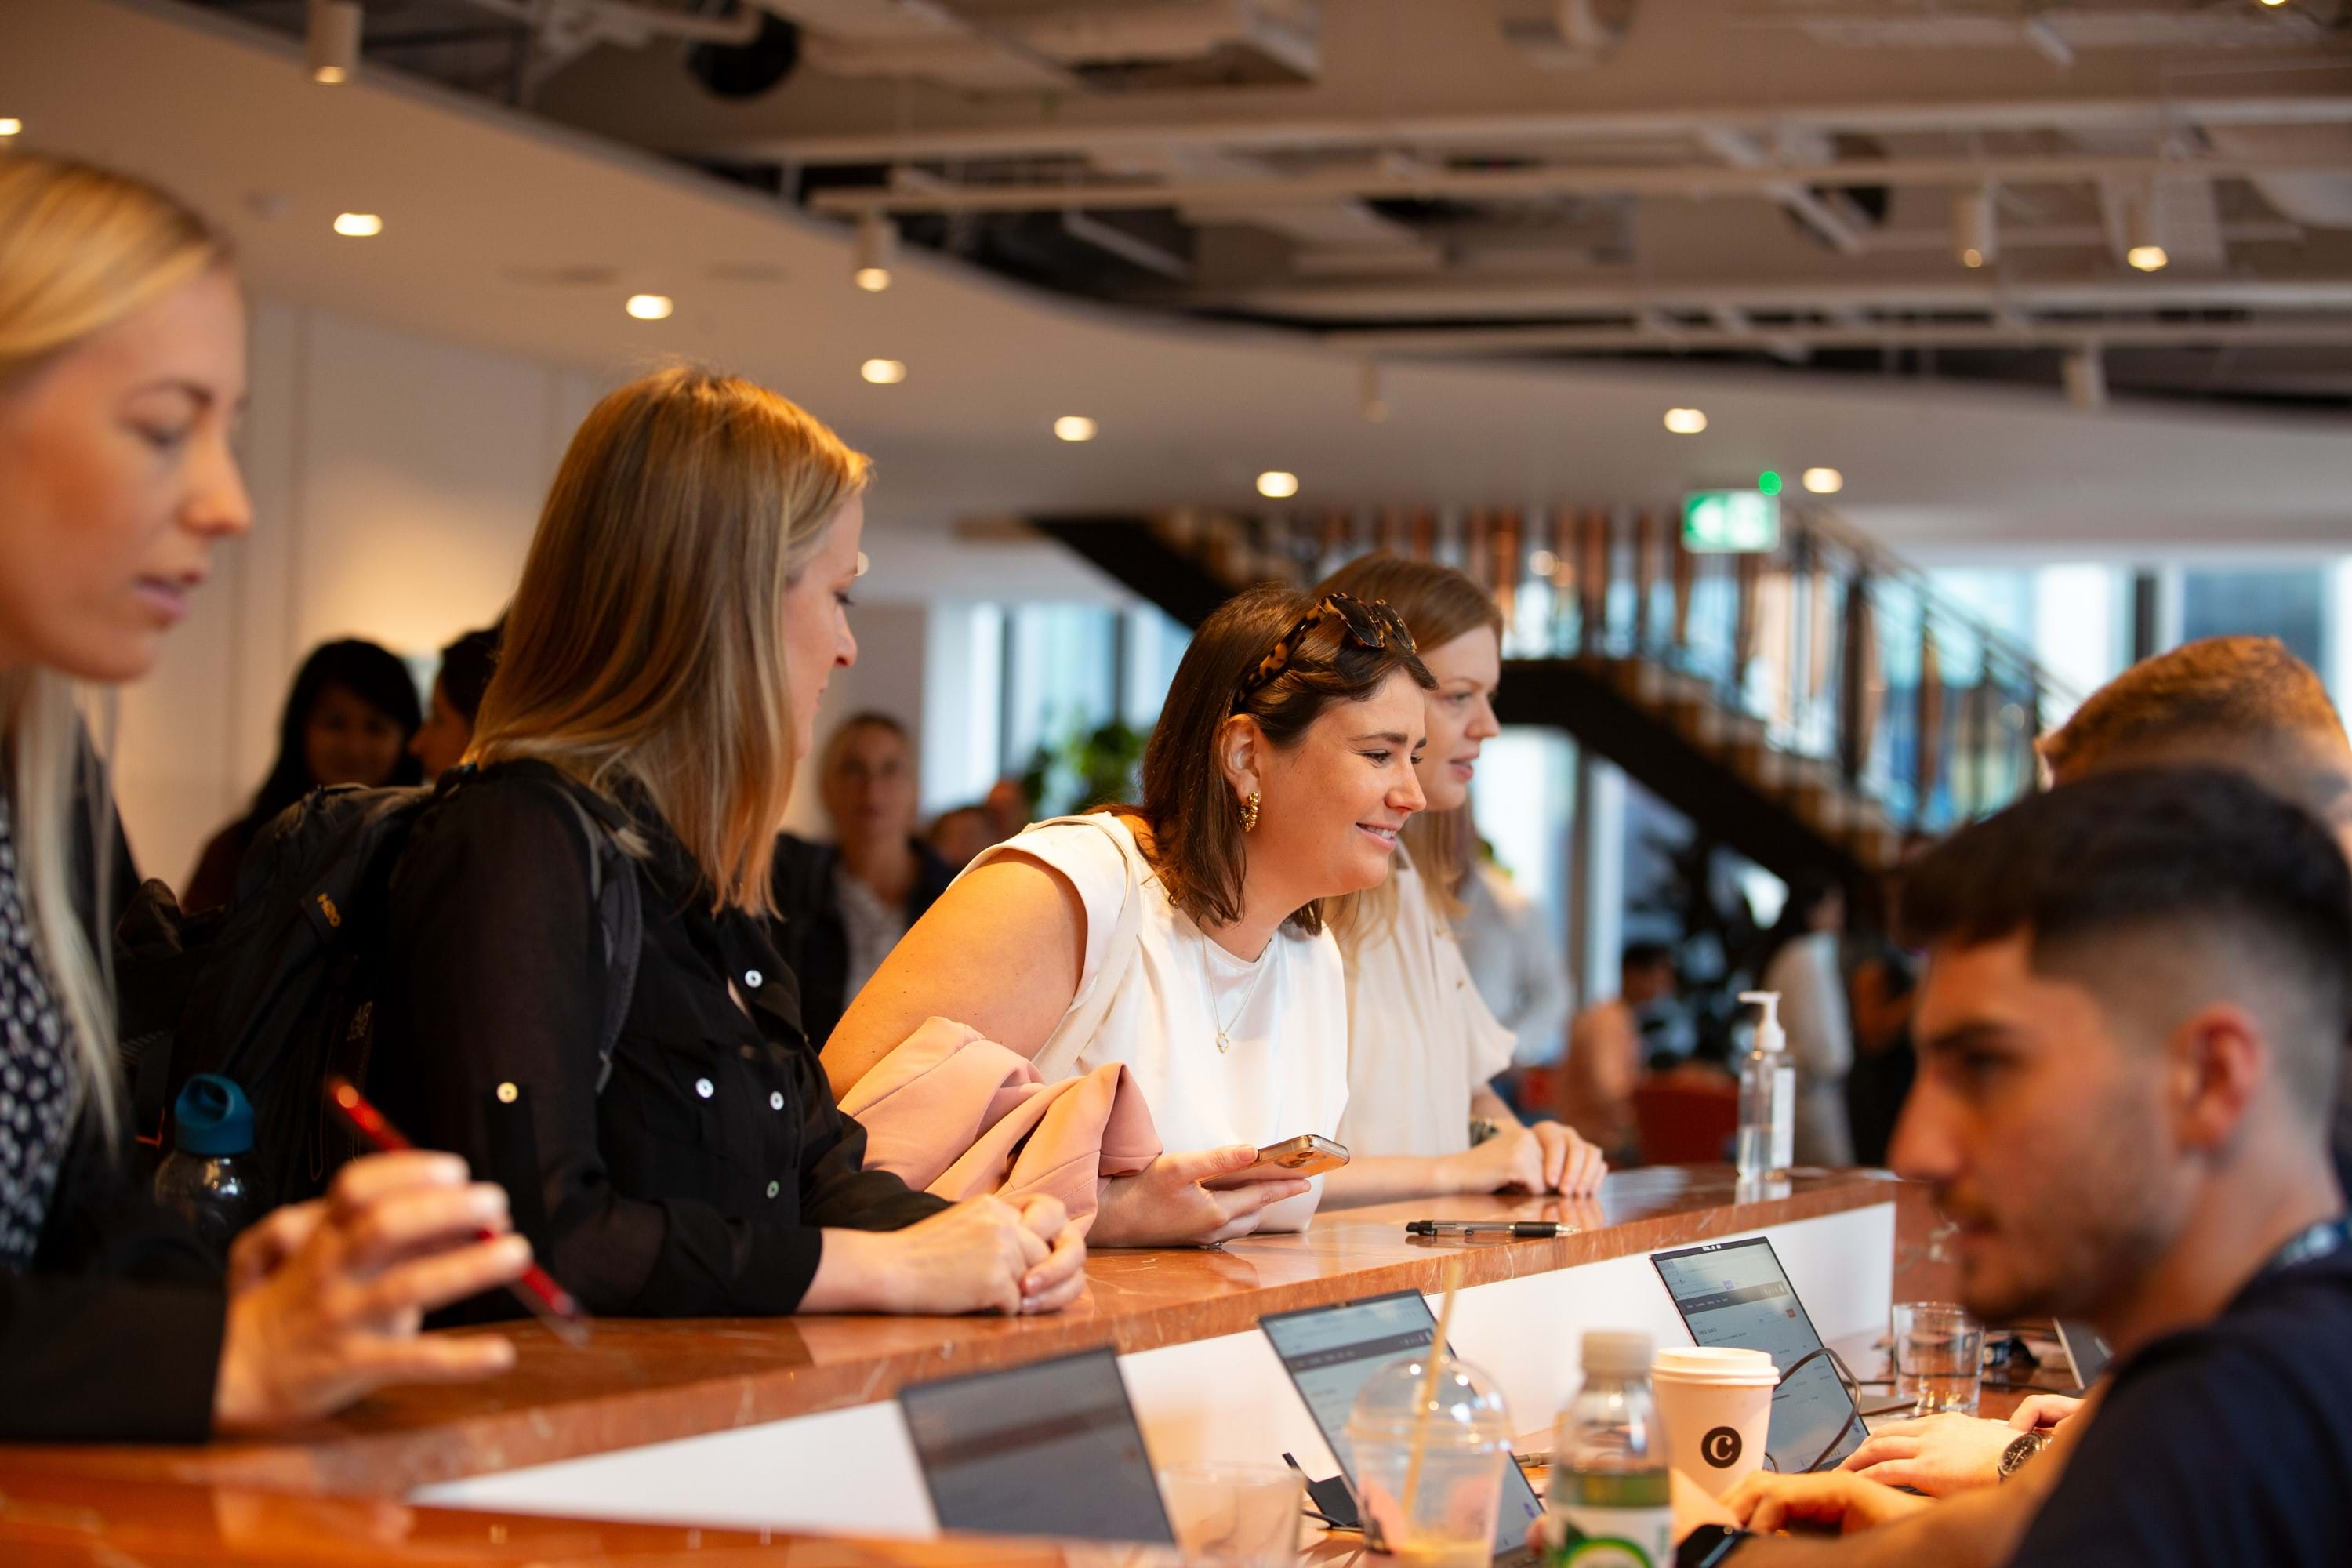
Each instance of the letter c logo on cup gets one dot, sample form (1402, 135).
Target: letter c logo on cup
(1721, 1448)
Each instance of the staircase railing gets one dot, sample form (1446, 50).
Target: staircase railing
(1846, 656)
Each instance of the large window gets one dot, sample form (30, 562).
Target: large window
(2290, 604)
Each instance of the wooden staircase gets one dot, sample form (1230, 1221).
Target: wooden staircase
(1810, 706)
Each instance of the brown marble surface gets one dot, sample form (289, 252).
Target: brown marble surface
(645, 1382)
(50, 1519)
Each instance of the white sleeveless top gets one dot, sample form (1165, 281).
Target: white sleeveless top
(1421, 1040)
(1154, 991)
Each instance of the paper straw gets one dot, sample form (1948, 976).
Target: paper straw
(1437, 1354)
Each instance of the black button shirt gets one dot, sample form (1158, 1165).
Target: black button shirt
(697, 1183)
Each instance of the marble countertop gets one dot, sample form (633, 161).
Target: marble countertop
(645, 1381)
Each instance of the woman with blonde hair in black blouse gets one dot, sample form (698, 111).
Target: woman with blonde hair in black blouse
(682, 608)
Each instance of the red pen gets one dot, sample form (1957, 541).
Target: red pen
(537, 1289)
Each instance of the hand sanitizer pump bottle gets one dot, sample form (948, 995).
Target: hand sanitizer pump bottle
(1767, 1096)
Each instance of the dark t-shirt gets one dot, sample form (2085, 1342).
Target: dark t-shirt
(2222, 1445)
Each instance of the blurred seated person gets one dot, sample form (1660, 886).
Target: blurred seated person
(1006, 806)
(1605, 1053)
(841, 906)
(448, 729)
(2241, 702)
(348, 721)
(2129, 1025)
(958, 836)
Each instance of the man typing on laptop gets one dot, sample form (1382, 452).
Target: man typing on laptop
(2130, 1026)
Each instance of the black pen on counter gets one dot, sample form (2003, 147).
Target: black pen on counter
(1521, 1229)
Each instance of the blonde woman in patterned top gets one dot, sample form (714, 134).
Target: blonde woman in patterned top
(121, 376)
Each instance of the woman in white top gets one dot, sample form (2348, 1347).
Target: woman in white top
(1422, 1043)
(1183, 938)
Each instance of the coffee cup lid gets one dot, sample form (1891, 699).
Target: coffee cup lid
(1714, 1363)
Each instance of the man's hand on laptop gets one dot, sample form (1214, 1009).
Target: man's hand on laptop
(1939, 1454)
(2041, 1411)
(1828, 1500)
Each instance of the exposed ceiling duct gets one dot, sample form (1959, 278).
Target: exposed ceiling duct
(1943, 186)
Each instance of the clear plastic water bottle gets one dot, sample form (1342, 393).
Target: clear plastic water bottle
(1611, 1505)
(209, 1178)
(1767, 1096)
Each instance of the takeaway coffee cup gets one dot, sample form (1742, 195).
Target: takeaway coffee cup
(1717, 1408)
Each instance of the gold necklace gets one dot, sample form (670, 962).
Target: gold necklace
(1209, 985)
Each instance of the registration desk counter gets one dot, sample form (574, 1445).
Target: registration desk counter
(762, 1424)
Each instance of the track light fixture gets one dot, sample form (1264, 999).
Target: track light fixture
(332, 44)
(1976, 238)
(2144, 233)
(877, 247)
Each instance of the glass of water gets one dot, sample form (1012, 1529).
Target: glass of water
(1938, 1355)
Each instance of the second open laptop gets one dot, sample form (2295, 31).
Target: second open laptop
(1735, 1293)
(1331, 1351)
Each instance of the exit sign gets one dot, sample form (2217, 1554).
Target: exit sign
(1730, 521)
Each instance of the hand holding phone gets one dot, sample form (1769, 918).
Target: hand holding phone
(1305, 1155)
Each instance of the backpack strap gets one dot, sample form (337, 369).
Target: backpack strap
(621, 917)
(620, 908)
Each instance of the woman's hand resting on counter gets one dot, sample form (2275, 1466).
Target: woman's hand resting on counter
(325, 1297)
(1548, 1157)
(1175, 1200)
(984, 1255)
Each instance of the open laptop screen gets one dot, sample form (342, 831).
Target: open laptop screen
(1048, 1448)
(1735, 1293)
(1331, 1351)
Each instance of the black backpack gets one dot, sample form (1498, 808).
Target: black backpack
(281, 990)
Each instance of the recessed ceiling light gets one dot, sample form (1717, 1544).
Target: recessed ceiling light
(1824, 481)
(1972, 258)
(2147, 258)
(11, 127)
(1686, 421)
(651, 307)
(1276, 485)
(1543, 563)
(884, 372)
(873, 279)
(358, 226)
(1074, 427)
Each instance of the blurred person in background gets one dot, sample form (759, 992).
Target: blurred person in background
(1805, 966)
(1606, 1054)
(841, 906)
(348, 721)
(467, 666)
(958, 834)
(122, 375)
(1514, 961)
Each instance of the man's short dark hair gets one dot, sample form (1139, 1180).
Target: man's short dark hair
(2199, 850)
(1644, 955)
(467, 666)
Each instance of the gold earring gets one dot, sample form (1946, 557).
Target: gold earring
(1249, 812)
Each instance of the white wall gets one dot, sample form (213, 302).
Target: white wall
(395, 483)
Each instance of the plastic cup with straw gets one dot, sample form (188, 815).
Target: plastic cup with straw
(1431, 1437)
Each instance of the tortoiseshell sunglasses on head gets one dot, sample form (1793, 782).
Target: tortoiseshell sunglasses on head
(1372, 626)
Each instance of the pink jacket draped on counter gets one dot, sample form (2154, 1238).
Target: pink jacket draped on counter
(957, 1116)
